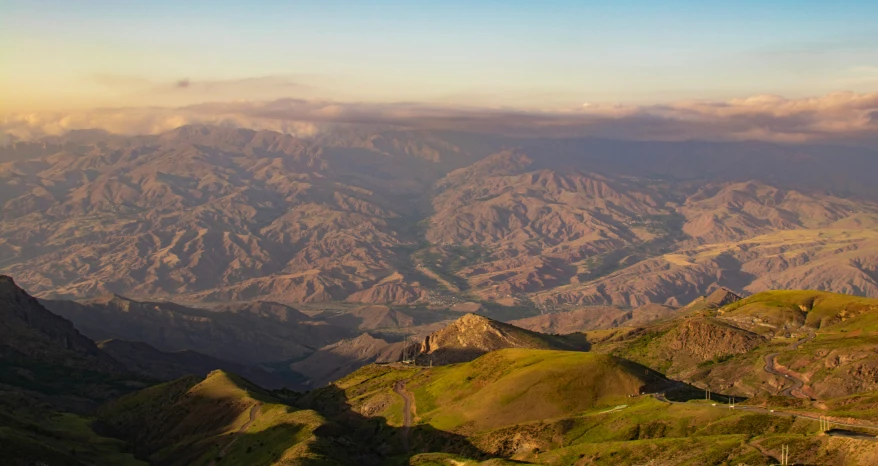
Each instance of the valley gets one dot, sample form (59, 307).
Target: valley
(477, 391)
(218, 296)
(438, 233)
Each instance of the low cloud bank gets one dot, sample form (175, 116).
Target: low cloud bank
(837, 117)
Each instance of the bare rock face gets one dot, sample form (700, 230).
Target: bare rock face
(473, 335)
(705, 339)
(721, 297)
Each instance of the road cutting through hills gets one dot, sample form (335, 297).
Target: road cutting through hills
(399, 388)
(797, 383)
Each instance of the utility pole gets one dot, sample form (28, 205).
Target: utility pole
(824, 424)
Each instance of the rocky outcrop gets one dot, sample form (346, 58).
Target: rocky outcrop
(473, 335)
(720, 297)
(705, 339)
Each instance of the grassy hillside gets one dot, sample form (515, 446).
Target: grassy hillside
(198, 422)
(32, 432)
(819, 310)
(556, 407)
(519, 385)
(828, 340)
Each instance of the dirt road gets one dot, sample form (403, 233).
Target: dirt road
(399, 388)
(254, 410)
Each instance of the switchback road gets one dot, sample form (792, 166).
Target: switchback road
(797, 383)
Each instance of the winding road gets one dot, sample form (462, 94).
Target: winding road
(399, 388)
(798, 383)
(254, 410)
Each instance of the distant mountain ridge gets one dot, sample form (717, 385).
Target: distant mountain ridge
(401, 217)
(247, 334)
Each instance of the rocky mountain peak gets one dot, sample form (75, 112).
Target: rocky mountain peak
(472, 319)
(473, 335)
(722, 296)
(7, 285)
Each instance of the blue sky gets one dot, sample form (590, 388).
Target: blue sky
(480, 52)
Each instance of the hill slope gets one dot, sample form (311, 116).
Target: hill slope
(143, 359)
(825, 340)
(244, 334)
(193, 421)
(44, 355)
(339, 359)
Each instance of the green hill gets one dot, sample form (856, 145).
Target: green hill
(558, 407)
(511, 386)
(33, 432)
(198, 422)
(824, 339)
(818, 310)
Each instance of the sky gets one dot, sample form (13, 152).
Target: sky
(550, 55)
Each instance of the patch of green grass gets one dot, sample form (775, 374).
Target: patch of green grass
(189, 421)
(518, 385)
(34, 433)
(821, 309)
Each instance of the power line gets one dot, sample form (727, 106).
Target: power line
(785, 455)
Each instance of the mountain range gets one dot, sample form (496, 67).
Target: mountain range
(205, 214)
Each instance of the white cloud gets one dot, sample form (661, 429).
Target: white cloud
(844, 116)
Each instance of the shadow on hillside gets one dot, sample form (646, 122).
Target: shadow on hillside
(352, 438)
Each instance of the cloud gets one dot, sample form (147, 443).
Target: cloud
(841, 116)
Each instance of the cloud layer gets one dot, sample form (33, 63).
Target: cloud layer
(836, 117)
